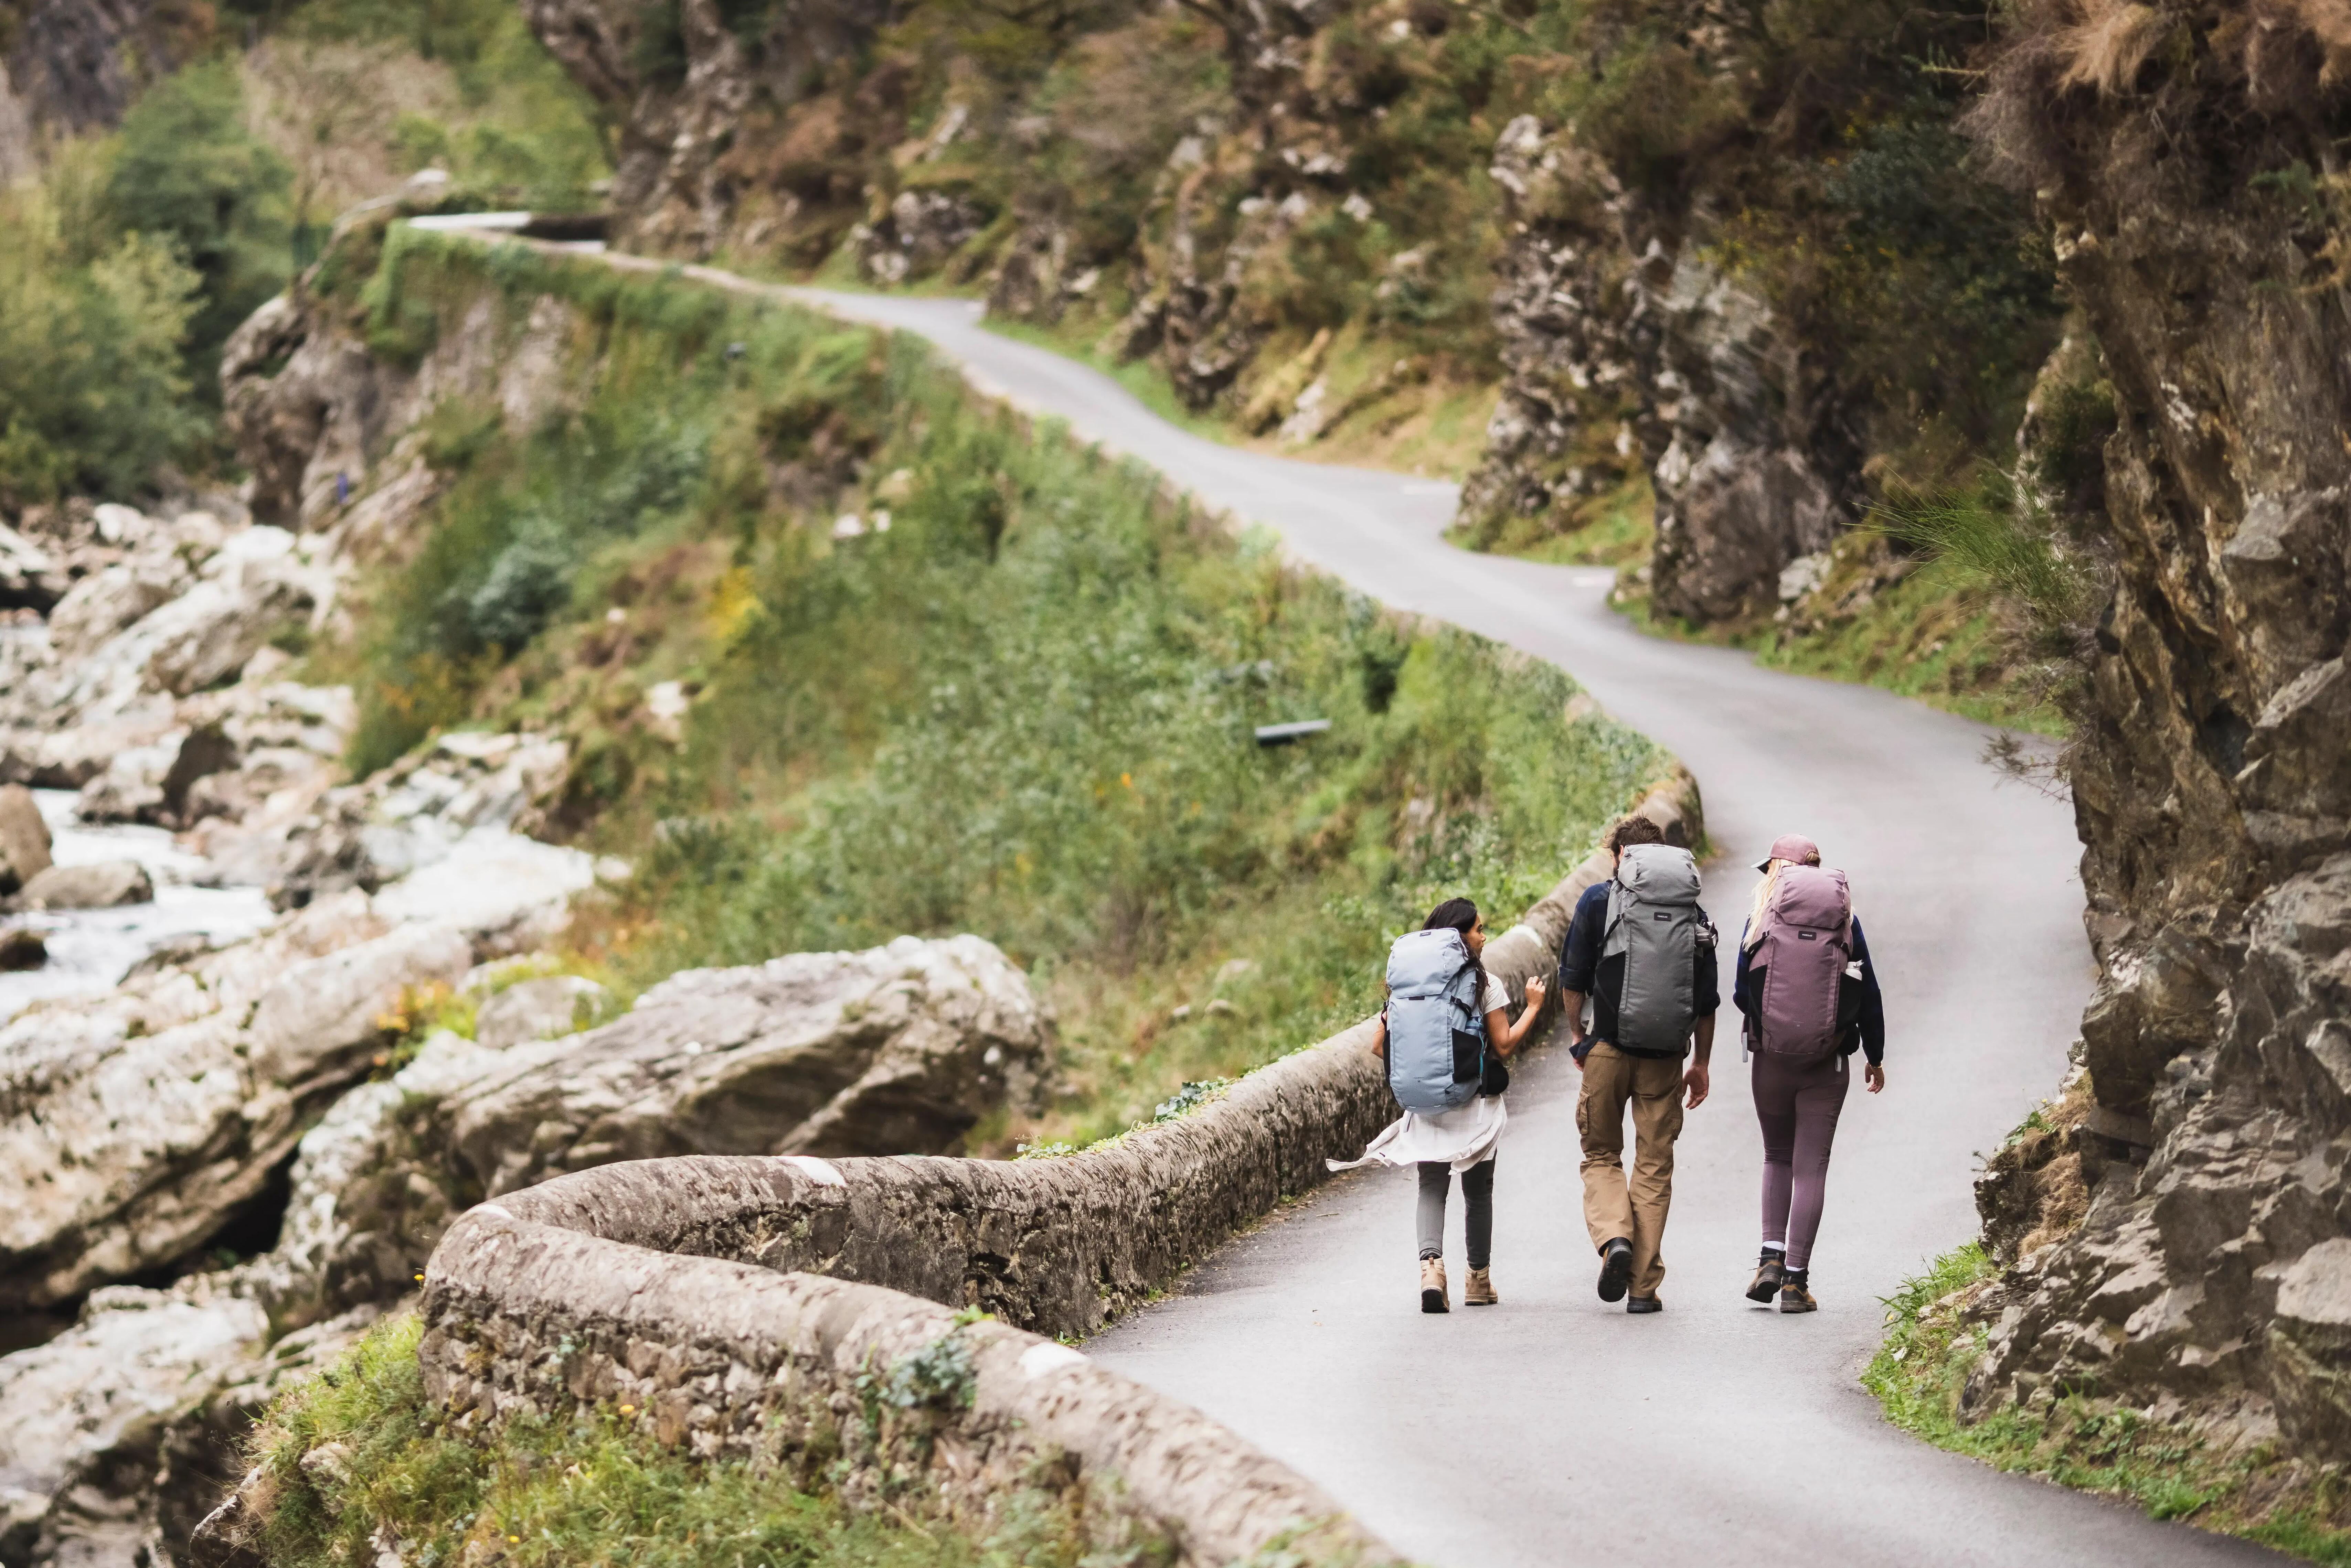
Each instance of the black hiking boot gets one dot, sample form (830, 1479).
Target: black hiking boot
(1769, 1270)
(1642, 1304)
(1795, 1295)
(1615, 1270)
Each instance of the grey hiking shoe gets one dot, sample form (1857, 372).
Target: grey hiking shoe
(1769, 1270)
(1643, 1304)
(1615, 1270)
(1795, 1291)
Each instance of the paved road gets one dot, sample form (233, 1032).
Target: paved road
(1555, 1429)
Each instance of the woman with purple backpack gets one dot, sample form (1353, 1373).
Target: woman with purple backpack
(1809, 995)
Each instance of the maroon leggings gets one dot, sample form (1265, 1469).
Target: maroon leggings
(1797, 1102)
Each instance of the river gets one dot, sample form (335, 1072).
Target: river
(91, 950)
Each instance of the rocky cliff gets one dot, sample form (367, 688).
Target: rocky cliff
(2184, 160)
(1757, 267)
(71, 65)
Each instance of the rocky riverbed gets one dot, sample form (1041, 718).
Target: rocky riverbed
(226, 1149)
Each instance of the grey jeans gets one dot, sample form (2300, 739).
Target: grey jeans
(1477, 1196)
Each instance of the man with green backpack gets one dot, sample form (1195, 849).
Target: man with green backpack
(1643, 952)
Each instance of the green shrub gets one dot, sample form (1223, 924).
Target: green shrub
(186, 170)
(93, 386)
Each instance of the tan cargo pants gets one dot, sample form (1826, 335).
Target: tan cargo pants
(1653, 1086)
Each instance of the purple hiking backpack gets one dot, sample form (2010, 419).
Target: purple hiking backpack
(1806, 944)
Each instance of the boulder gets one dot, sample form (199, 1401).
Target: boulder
(895, 1050)
(106, 602)
(22, 948)
(137, 1360)
(102, 885)
(537, 1009)
(368, 1196)
(23, 838)
(207, 634)
(117, 1437)
(29, 576)
(134, 1126)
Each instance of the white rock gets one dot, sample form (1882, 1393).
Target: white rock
(121, 526)
(492, 883)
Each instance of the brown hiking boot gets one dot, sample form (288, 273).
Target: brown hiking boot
(1478, 1290)
(1795, 1292)
(1769, 1270)
(1432, 1285)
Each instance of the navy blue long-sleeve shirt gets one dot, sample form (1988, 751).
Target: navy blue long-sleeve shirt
(1747, 995)
(1581, 968)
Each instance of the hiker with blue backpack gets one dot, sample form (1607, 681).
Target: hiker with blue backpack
(1444, 1035)
(1808, 993)
(1642, 951)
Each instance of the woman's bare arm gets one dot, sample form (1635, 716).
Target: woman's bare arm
(1506, 1034)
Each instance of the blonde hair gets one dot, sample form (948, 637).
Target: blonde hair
(1762, 903)
(1763, 897)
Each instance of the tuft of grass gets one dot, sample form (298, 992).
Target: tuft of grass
(384, 1465)
(1935, 1333)
(1992, 532)
(1616, 529)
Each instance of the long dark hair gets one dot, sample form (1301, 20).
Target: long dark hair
(1461, 914)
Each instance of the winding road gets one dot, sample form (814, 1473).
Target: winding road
(1555, 1429)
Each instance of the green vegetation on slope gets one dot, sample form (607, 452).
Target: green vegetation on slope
(592, 1490)
(1024, 710)
(1931, 629)
(1936, 1326)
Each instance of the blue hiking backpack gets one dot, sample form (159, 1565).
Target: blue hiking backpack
(1437, 1036)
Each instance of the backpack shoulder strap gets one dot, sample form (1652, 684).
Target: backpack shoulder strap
(1612, 925)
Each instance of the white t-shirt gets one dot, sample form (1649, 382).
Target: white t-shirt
(1498, 998)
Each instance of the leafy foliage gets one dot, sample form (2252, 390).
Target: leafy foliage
(186, 170)
(92, 381)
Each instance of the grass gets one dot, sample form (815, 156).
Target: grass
(1420, 424)
(1024, 711)
(1935, 1333)
(385, 1465)
(1143, 379)
(1610, 530)
(1935, 634)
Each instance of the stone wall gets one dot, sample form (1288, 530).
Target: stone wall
(834, 1379)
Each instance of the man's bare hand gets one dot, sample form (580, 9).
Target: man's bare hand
(1697, 1082)
(1575, 1051)
(1875, 1074)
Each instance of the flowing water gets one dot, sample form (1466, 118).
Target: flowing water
(91, 950)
